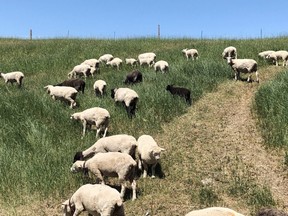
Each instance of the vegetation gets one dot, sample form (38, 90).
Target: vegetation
(38, 140)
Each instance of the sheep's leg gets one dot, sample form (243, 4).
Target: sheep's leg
(145, 169)
(105, 132)
(72, 102)
(133, 185)
(84, 128)
(249, 78)
(257, 76)
(153, 170)
(123, 190)
(78, 209)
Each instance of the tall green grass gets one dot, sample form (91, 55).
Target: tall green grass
(37, 138)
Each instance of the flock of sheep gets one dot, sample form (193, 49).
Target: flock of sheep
(122, 155)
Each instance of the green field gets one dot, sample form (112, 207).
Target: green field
(37, 138)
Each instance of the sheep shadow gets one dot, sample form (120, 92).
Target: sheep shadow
(158, 172)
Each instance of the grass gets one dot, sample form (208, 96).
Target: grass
(37, 138)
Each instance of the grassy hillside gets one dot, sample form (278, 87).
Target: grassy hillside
(37, 138)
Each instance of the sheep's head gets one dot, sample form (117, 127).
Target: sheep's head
(113, 92)
(77, 166)
(75, 116)
(157, 152)
(229, 60)
(48, 88)
(67, 208)
(184, 51)
(169, 87)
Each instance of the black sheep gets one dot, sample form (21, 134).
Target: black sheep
(182, 92)
(133, 77)
(78, 84)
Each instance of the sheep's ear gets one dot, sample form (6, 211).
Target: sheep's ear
(162, 149)
(65, 204)
(46, 87)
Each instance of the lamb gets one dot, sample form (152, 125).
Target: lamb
(133, 77)
(243, 66)
(162, 66)
(128, 96)
(116, 143)
(93, 63)
(230, 52)
(111, 164)
(270, 212)
(148, 154)
(182, 92)
(131, 61)
(65, 93)
(12, 77)
(147, 58)
(93, 116)
(214, 211)
(78, 84)
(99, 87)
(81, 70)
(105, 58)
(115, 62)
(95, 199)
(279, 55)
(190, 53)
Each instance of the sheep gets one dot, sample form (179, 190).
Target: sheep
(116, 143)
(93, 63)
(182, 92)
(111, 164)
(93, 116)
(95, 199)
(65, 93)
(147, 58)
(99, 87)
(279, 55)
(244, 66)
(81, 70)
(270, 212)
(148, 153)
(214, 211)
(131, 61)
(190, 53)
(115, 62)
(162, 66)
(78, 84)
(105, 58)
(128, 96)
(133, 77)
(264, 54)
(230, 52)
(12, 77)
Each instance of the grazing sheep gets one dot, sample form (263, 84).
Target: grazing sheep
(78, 84)
(133, 77)
(214, 211)
(81, 70)
(148, 153)
(128, 96)
(99, 87)
(93, 116)
(190, 53)
(264, 54)
(182, 92)
(279, 55)
(95, 199)
(161, 66)
(111, 164)
(147, 58)
(115, 62)
(105, 58)
(116, 143)
(65, 93)
(270, 212)
(93, 63)
(243, 66)
(230, 52)
(131, 61)
(12, 77)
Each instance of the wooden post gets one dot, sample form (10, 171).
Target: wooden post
(30, 34)
(158, 31)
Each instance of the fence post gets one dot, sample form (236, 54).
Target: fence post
(30, 34)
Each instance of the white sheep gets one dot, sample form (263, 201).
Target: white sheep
(99, 87)
(147, 58)
(243, 66)
(115, 62)
(116, 143)
(230, 51)
(214, 211)
(162, 66)
(264, 54)
(12, 77)
(65, 93)
(95, 199)
(279, 55)
(131, 61)
(93, 63)
(105, 58)
(128, 96)
(93, 116)
(111, 164)
(81, 70)
(148, 153)
(190, 53)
